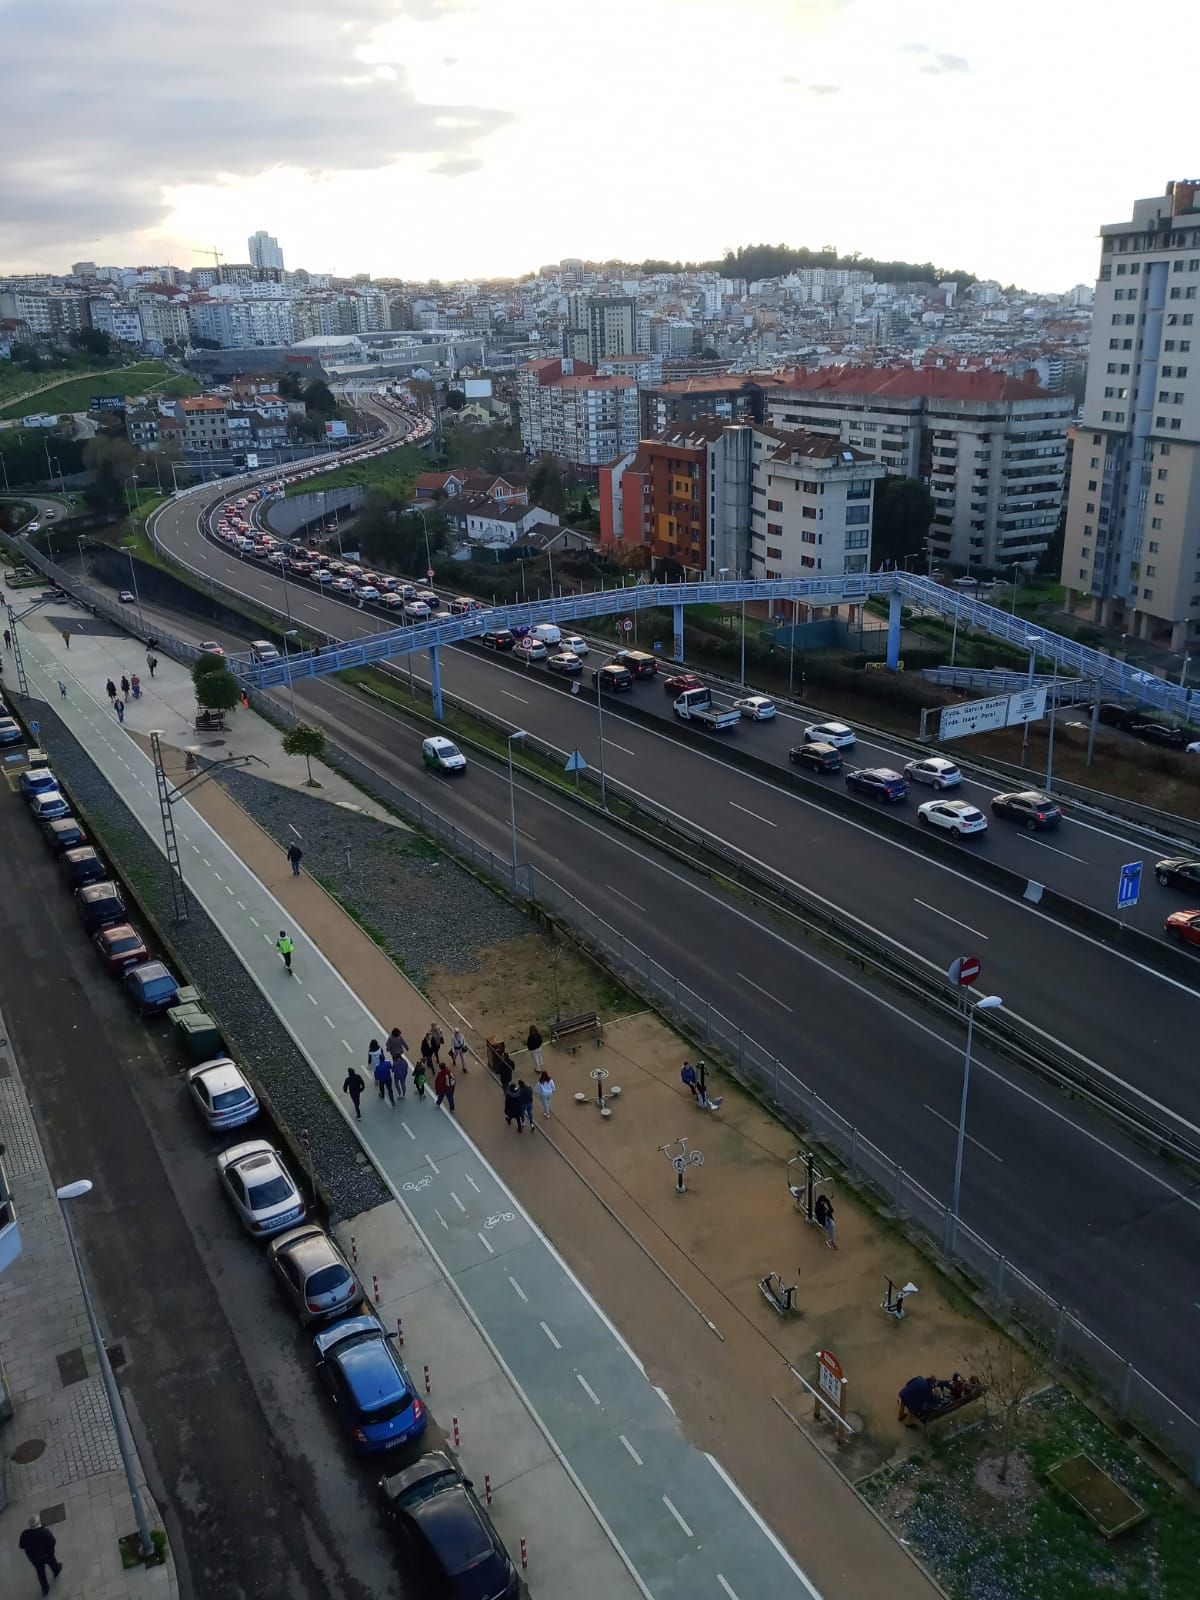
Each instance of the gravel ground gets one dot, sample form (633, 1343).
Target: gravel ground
(427, 912)
(246, 1022)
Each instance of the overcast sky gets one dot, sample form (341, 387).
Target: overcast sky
(472, 138)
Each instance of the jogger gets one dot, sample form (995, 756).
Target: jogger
(354, 1085)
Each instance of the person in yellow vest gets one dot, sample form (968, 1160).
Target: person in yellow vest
(285, 947)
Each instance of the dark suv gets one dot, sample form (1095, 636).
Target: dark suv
(1030, 807)
(881, 783)
(637, 661)
(820, 757)
(612, 678)
(1158, 733)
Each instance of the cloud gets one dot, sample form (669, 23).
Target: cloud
(935, 63)
(457, 167)
(812, 88)
(198, 96)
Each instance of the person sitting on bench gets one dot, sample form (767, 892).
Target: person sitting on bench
(917, 1399)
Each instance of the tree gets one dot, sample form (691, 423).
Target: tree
(26, 355)
(205, 664)
(111, 461)
(1009, 1376)
(546, 486)
(309, 742)
(217, 689)
(95, 341)
(455, 399)
(903, 513)
(290, 387)
(318, 397)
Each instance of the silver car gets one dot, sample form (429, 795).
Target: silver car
(935, 771)
(221, 1094)
(313, 1273)
(260, 1188)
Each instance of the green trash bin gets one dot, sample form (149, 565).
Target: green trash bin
(200, 1035)
(176, 1014)
(189, 995)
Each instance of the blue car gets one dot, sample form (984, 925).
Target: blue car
(880, 783)
(151, 987)
(38, 780)
(365, 1379)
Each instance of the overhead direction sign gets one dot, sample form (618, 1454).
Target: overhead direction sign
(999, 711)
(1026, 706)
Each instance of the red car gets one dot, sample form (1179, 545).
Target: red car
(1184, 926)
(119, 947)
(675, 686)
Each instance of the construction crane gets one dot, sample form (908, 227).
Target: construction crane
(214, 253)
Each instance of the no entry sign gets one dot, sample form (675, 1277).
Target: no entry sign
(964, 970)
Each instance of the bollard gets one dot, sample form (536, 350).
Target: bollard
(399, 1331)
(354, 1249)
(375, 1288)
(524, 1556)
(457, 1440)
(427, 1377)
(487, 1487)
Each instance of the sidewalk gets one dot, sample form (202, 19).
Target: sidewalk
(60, 1448)
(672, 1509)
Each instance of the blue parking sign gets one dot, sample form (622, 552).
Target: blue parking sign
(35, 728)
(1130, 885)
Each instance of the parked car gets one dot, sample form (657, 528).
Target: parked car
(639, 662)
(530, 649)
(442, 755)
(612, 678)
(313, 1273)
(82, 865)
(1184, 926)
(37, 780)
(151, 986)
(120, 946)
(880, 783)
(10, 731)
(63, 833)
(1029, 807)
(1162, 733)
(958, 817)
(834, 733)
(820, 757)
(99, 905)
(564, 661)
(365, 1379)
(49, 804)
(936, 771)
(260, 1188)
(498, 639)
(1114, 715)
(755, 707)
(679, 682)
(446, 1536)
(1178, 872)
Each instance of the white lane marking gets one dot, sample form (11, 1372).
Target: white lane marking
(637, 1458)
(217, 876)
(674, 1510)
(957, 921)
(763, 1527)
(458, 1202)
(728, 1588)
(255, 921)
(1042, 845)
(348, 1048)
(970, 1136)
(766, 993)
(241, 905)
(662, 1395)
(268, 938)
(472, 1182)
(753, 814)
(430, 1162)
(460, 1016)
(587, 1389)
(523, 701)
(228, 891)
(312, 997)
(195, 849)
(483, 1241)
(441, 1219)
(408, 1130)
(521, 1293)
(612, 889)
(549, 1334)
(624, 749)
(329, 1021)
(206, 861)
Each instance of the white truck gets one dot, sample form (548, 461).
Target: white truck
(696, 705)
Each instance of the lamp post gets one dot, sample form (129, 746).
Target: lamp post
(75, 1191)
(1183, 676)
(290, 633)
(4, 469)
(429, 557)
(1050, 735)
(517, 733)
(62, 482)
(987, 1002)
(136, 595)
(600, 730)
(1032, 640)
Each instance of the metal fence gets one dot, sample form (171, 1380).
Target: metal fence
(1069, 1343)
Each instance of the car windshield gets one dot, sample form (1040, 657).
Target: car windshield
(273, 1192)
(461, 1542)
(230, 1098)
(156, 987)
(121, 947)
(325, 1280)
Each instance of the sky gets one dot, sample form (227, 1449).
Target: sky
(466, 139)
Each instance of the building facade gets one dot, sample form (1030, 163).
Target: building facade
(264, 250)
(724, 395)
(1131, 555)
(569, 410)
(599, 326)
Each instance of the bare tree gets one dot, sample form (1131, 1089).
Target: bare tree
(1009, 1375)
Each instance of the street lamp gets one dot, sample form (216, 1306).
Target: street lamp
(428, 556)
(987, 1002)
(136, 594)
(290, 633)
(517, 733)
(75, 1191)
(4, 469)
(1032, 640)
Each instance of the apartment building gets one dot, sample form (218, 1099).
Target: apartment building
(205, 423)
(117, 320)
(813, 506)
(992, 448)
(570, 410)
(724, 395)
(1131, 556)
(264, 250)
(230, 323)
(600, 326)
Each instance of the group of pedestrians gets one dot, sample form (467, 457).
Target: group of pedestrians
(519, 1095)
(129, 686)
(391, 1067)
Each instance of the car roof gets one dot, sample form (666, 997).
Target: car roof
(1034, 796)
(440, 742)
(936, 761)
(310, 1247)
(218, 1075)
(106, 889)
(455, 1528)
(838, 727)
(150, 972)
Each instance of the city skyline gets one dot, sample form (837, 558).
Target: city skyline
(425, 139)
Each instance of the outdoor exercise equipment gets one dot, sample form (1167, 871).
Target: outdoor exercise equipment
(893, 1299)
(681, 1160)
(779, 1296)
(805, 1185)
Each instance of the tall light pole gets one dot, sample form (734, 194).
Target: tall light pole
(290, 633)
(600, 730)
(131, 504)
(987, 1002)
(75, 1191)
(1032, 640)
(1050, 736)
(429, 557)
(517, 733)
(136, 595)
(4, 469)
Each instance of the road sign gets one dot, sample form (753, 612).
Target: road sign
(429, 573)
(1128, 889)
(626, 624)
(35, 728)
(657, 647)
(575, 763)
(831, 1380)
(977, 716)
(964, 970)
(1027, 706)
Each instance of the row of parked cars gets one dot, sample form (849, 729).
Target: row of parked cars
(428, 1505)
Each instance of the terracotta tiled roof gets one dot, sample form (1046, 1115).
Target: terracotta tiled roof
(933, 383)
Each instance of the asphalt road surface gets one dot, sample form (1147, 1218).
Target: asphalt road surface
(260, 1496)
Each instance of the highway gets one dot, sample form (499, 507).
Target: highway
(1065, 1199)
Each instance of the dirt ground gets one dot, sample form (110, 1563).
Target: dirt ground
(737, 1220)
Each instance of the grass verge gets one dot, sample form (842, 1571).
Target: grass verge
(74, 394)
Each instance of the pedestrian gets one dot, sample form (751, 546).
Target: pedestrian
(119, 708)
(505, 1069)
(135, 684)
(65, 633)
(8, 639)
(512, 1105)
(62, 690)
(110, 689)
(295, 855)
(354, 1085)
(152, 663)
(458, 1051)
(533, 1043)
(687, 1074)
(419, 1078)
(125, 686)
(544, 1089)
(427, 1053)
(285, 947)
(245, 701)
(381, 1070)
(525, 1101)
(397, 1044)
(400, 1067)
(823, 1212)
(38, 1545)
(443, 1086)
(437, 1039)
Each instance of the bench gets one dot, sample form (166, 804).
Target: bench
(572, 1030)
(210, 722)
(972, 1391)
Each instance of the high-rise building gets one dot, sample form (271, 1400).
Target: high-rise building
(1131, 554)
(600, 326)
(569, 410)
(264, 250)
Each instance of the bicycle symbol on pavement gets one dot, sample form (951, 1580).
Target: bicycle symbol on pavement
(500, 1216)
(421, 1183)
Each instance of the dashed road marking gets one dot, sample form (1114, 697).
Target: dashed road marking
(631, 1450)
(241, 905)
(518, 1288)
(731, 1592)
(587, 1389)
(458, 1202)
(348, 1048)
(329, 1020)
(255, 920)
(229, 891)
(430, 1162)
(312, 997)
(486, 1245)
(408, 1130)
(441, 1219)
(549, 1334)
(674, 1510)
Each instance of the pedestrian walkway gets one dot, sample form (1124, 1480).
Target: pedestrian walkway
(61, 1460)
(679, 1521)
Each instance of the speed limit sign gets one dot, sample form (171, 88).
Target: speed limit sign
(626, 624)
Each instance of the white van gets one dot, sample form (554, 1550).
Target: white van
(547, 632)
(263, 650)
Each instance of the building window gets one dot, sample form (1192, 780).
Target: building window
(774, 553)
(1083, 573)
(1176, 425)
(810, 512)
(774, 505)
(774, 529)
(1151, 571)
(856, 515)
(1147, 594)
(1159, 500)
